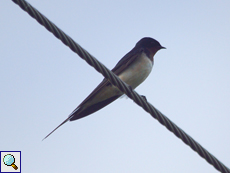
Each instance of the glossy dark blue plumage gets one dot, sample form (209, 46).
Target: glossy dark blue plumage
(133, 69)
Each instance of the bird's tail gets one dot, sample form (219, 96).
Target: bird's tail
(67, 119)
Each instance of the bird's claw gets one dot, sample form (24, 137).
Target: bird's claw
(144, 98)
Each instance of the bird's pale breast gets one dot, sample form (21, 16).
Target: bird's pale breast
(134, 75)
(138, 71)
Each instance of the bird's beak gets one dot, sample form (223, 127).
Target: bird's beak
(162, 47)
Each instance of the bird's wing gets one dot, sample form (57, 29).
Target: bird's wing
(119, 68)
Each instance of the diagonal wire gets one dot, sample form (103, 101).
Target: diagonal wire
(122, 86)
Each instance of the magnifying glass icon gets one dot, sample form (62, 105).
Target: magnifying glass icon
(9, 160)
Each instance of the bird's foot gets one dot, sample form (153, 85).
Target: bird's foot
(144, 98)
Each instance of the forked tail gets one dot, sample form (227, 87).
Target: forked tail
(57, 127)
(67, 119)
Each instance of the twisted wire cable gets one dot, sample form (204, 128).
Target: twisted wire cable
(141, 101)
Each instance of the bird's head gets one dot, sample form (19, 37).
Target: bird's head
(150, 44)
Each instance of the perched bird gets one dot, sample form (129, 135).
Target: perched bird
(133, 69)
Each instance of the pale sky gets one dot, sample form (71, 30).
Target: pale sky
(42, 81)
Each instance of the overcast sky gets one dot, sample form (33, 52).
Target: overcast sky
(42, 81)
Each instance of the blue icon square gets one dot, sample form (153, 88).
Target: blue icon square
(10, 161)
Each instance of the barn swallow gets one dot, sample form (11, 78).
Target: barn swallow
(133, 69)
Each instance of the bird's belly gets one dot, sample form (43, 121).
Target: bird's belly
(134, 75)
(105, 93)
(137, 72)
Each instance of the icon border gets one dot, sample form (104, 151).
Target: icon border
(9, 153)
